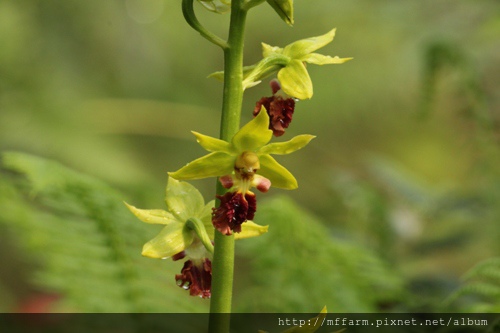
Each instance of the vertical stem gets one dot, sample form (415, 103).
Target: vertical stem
(223, 261)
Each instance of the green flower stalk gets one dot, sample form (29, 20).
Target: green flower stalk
(188, 233)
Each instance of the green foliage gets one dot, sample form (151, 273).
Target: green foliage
(447, 60)
(480, 291)
(300, 266)
(88, 84)
(85, 243)
(86, 246)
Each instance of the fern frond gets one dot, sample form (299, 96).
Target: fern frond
(300, 265)
(85, 241)
(481, 287)
(489, 269)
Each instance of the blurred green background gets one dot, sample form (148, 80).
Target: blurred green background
(398, 206)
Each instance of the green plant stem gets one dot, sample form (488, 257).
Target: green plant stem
(223, 261)
(189, 15)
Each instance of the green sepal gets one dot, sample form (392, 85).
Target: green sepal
(206, 213)
(295, 80)
(219, 75)
(268, 50)
(152, 216)
(183, 199)
(251, 229)
(300, 48)
(320, 59)
(206, 218)
(283, 148)
(284, 8)
(212, 144)
(267, 66)
(217, 6)
(254, 135)
(276, 173)
(198, 227)
(212, 165)
(173, 239)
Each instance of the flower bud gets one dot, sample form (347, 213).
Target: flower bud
(284, 8)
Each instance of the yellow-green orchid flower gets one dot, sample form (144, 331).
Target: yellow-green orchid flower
(293, 75)
(241, 164)
(290, 63)
(188, 233)
(250, 142)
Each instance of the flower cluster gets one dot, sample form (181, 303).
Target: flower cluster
(241, 164)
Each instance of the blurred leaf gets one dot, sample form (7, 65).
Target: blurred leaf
(480, 291)
(298, 266)
(86, 243)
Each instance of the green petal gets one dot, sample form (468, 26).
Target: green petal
(276, 173)
(254, 135)
(153, 216)
(207, 210)
(211, 165)
(212, 144)
(302, 47)
(267, 66)
(295, 80)
(319, 59)
(206, 218)
(197, 226)
(170, 241)
(250, 229)
(284, 8)
(183, 199)
(283, 148)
